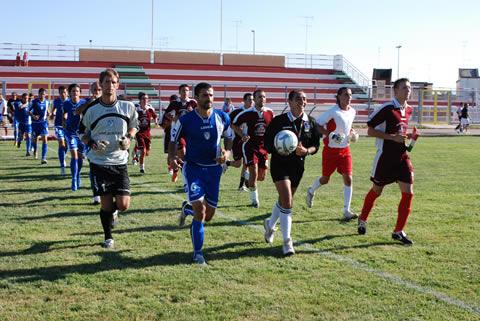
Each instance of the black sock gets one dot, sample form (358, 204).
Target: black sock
(106, 218)
(242, 181)
(228, 163)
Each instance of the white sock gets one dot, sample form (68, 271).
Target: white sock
(142, 166)
(254, 194)
(285, 222)
(272, 221)
(347, 197)
(246, 175)
(316, 184)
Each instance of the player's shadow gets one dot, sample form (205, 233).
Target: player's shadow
(240, 222)
(59, 215)
(30, 178)
(219, 254)
(143, 229)
(44, 247)
(110, 261)
(340, 247)
(47, 199)
(326, 238)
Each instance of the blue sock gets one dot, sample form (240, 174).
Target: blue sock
(197, 236)
(28, 144)
(44, 151)
(34, 146)
(61, 155)
(80, 165)
(74, 171)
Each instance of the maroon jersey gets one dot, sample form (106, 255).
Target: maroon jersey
(145, 117)
(179, 108)
(256, 123)
(391, 118)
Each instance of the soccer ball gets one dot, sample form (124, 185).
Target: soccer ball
(285, 142)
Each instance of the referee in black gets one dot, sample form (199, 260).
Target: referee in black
(287, 171)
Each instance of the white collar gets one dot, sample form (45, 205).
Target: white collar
(293, 118)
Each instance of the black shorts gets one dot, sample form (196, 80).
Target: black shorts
(110, 179)
(292, 171)
(387, 170)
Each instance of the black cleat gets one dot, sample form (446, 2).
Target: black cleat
(402, 238)
(362, 227)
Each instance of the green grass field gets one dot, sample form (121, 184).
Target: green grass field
(53, 268)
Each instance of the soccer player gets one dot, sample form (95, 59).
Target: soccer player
(146, 113)
(237, 143)
(39, 112)
(464, 119)
(179, 108)
(11, 115)
(255, 121)
(391, 164)
(166, 123)
(23, 119)
(71, 125)
(202, 130)
(110, 125)
(57, 114)
(336, 125)
(287, 171)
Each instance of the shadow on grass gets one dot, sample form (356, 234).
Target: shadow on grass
(49, 199)
(59, 215)
(143, 229)
(44, 247)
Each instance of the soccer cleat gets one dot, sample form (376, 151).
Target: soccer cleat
(182, 216)
(255, 204)
(402, 238)
(362, 227)
(347, 215)
(28, 154)
(142, 171)
(108, 244)
(62, 171)
(174, 176)
(243, 188)
(35, 155)
(18, 144)
(114, 218)
(199, 259)
(269, 232)
(288, 247)
(43, 162)
(309, 198)
(96, 200)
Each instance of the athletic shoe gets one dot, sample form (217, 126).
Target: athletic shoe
(108, 244)
(243, 188)
(255, 204)
(269, 232)
(134, 161)
(199, 259)
(142, 171)
(18, 144)
(288, 247)
(362, 227)
(309, 198)
(174, 176)
(402, 238)
(347, 215)
(114, 218)
(28, 154)
(96, 200)
(35, 155)
(43, 162)
(182, 216)
(62, 171)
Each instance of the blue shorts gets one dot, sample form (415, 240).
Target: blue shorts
(59, 132)
(75, 143)
(23, 128)
(202, 182)
(40, 129)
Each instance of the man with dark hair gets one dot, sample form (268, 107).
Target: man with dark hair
(389, 124)
(287, 170)
(174, 111)
(11, 115)
(202, 130)
(57, 115)
(146, 114)
(255, 120)
(110, 125)
(23, 119)
(39, 113)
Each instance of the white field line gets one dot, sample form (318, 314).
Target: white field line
(360, 266)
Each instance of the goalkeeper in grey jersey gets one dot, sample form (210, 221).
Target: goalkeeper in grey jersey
(110, 125)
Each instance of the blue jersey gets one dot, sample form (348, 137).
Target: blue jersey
(40, 109)
(58, 106)
(202, 136)
(22, 115)
(73, 121)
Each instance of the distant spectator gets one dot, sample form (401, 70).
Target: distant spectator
(17, 59)
(228, 107)
(3, 108)
(25, 59)
(464, 119)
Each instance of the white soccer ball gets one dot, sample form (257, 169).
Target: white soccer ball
(354, 137)
(285, 142)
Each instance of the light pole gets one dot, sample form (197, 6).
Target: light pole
(253, 34)
(151, 35)
(237, 23)
(398, 60)
(221, 26)
(307, 19)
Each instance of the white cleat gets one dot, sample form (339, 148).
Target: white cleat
(96, 200)
(269, 232)
(309, 198)
(199, 259)
(288, 248)
(115, 218)
(347, 215)
(108, 244)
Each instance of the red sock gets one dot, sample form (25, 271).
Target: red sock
(403, 211)
(368, 204)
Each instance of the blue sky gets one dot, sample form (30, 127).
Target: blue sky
(437, 37)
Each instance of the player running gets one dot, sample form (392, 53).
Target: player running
(39, 113)
(391, 164)
(336, 124)
(255, 155)
(287, 171)
(146, 114)
(23, 121)
(57, 115)
(202, 130)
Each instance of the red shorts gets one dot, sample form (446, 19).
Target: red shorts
(339, 159)
(143, 141)
(387, 170)
(255, 155)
